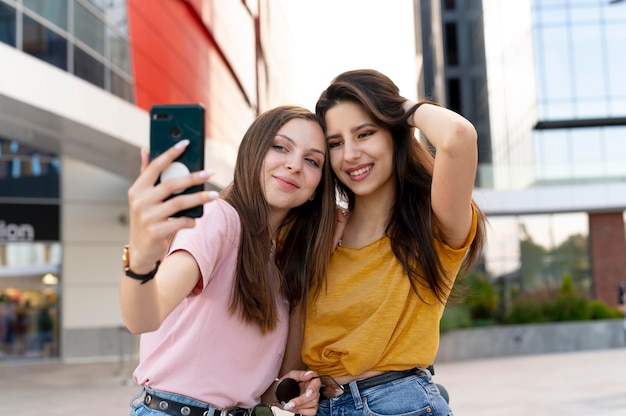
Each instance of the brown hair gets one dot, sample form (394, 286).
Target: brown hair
(411, 224)
(303, 241)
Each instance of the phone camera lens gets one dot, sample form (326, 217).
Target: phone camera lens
(176, 132)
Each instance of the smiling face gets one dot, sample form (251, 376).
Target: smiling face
(361, 153)
(292, 167)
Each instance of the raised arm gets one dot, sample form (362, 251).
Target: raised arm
(145, 305)
(455, 141)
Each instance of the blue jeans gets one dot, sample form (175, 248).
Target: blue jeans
(413, 395)
(140, 409)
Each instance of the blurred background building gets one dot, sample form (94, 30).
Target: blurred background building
(77, 78)
(542, 80)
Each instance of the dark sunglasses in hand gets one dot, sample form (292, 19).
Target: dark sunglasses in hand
(288, 388)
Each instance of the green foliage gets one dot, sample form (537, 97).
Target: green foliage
(481, 305)
(454, 317)
(567, 286)
(600, 310)
(528, 309)
(482, 298)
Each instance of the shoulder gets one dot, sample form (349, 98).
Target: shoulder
(220, 216)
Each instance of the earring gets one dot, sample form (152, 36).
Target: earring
(312, 197)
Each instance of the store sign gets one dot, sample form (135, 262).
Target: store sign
(25, 223)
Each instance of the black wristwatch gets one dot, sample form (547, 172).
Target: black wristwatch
(128, 272)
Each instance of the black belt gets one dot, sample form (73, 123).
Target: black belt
(386, 377)
(174, 408)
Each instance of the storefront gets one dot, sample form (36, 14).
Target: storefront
(30, 252)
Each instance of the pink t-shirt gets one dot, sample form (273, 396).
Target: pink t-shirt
(201, 350)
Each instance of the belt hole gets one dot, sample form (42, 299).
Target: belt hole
(185, 411)
(163, 405)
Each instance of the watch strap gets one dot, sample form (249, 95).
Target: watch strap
(143, 277)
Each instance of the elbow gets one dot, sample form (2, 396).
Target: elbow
(462, 138)
(465, 131)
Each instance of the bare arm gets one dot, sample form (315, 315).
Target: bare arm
(293, 367)
(456, 161)
(145, 306)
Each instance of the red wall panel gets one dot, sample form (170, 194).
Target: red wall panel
(170, 50)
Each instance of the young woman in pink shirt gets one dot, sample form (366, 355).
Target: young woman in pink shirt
(215, 317)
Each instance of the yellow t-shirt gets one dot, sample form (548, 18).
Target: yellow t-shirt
(369, 318)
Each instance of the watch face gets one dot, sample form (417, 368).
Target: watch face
(125, 258)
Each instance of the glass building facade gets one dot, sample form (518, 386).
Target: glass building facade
(88, 38)
(554, 104)
(581, 89)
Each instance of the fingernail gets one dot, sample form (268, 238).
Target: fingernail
(181, 144)
(309, 393)
(289, 405)
(308, 372)
(206, 173)
(213, 194)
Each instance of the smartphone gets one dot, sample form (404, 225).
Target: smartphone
(170, 124)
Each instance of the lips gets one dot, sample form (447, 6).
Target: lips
(359, 172)
(286, 183)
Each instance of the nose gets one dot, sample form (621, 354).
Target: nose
(351, 150)
(293, 164)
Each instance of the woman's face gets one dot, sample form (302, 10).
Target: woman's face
(361, 153)
(293, 165)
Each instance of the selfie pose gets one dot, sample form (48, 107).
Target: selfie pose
(410, 226)
(215, 312)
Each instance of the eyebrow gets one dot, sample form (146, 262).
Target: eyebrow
(312, 149)
(352, 130)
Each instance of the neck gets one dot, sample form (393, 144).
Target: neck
(367, 221)
(275, 219)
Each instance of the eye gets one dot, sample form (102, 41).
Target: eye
(365, 134)
(334, 143)
(279, 147)
(313, 162)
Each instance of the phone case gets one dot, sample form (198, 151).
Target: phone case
(170, 124)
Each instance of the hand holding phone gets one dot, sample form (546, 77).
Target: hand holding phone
(170, 124)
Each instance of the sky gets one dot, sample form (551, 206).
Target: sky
(332, 36)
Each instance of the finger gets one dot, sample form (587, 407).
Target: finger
(142, 197)
(185, 201)
(178, 184)
(150, 175)
(145, 158)
(407, 105)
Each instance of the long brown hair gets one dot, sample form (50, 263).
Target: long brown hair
(411, 224)
(303, 241)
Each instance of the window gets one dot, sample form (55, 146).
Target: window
(88, 28)
(53, 10)
(7, 24)
(454, 94)
(43, 43)
(88, 68)
(452, 48)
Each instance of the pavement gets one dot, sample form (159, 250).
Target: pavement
(564, 384)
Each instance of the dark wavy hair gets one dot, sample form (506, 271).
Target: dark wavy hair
(411, 226)
(303, 241)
